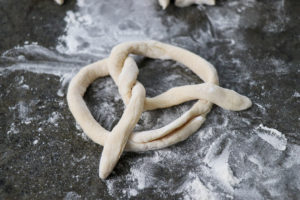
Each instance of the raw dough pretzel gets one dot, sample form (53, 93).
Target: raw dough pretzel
(124, 71)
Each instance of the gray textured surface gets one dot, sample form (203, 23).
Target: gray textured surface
(254, 154)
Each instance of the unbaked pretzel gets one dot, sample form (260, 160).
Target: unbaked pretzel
(124, 71)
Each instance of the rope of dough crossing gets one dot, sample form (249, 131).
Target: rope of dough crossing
(124, 71)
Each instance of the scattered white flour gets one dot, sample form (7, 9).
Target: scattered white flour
(173, 77)
(193, 189)
(296, 94)
(260, 107)
(53, 119)
(111, 187)
(142, 174)
(133, 192)
(293, 157)
(80, 132)
(278, 21)
(45, 67)
(13, 129)
(65, 79)
(72, 196)
(23, 110)
(254, 160)
(21, 80)
(272, 136)
(278, 66)
(139, 177)
(223, 19)
(79, 159)
(92, 30)
(25, 87)
(35, 142)
(52, 63)
(219, 164)
(205, 134)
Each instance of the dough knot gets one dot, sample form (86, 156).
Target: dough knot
(124, 71)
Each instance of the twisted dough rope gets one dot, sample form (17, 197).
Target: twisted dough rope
(164, 3)
(124, 71)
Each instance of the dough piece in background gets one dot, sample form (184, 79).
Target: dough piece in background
(184, 3)
(59, 2)
(164, 3)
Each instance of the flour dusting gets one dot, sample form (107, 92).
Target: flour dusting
(13, 129)
(272, 136)
(53, 119)
(193, 188)
(72, 196)
(296, 94)
(219, 164)
(92, 30)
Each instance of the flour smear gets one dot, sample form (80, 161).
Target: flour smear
(272, 136)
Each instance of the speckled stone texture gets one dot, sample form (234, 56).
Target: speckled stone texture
(253, 154)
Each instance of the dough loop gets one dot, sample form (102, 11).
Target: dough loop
(124, 71)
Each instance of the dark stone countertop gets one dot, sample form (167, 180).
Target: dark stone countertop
(253, 154)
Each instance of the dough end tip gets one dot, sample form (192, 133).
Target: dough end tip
(103, 175)
(59, 2)
(248, 103)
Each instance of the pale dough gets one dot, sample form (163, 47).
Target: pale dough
(60, 2)
(124, 71)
